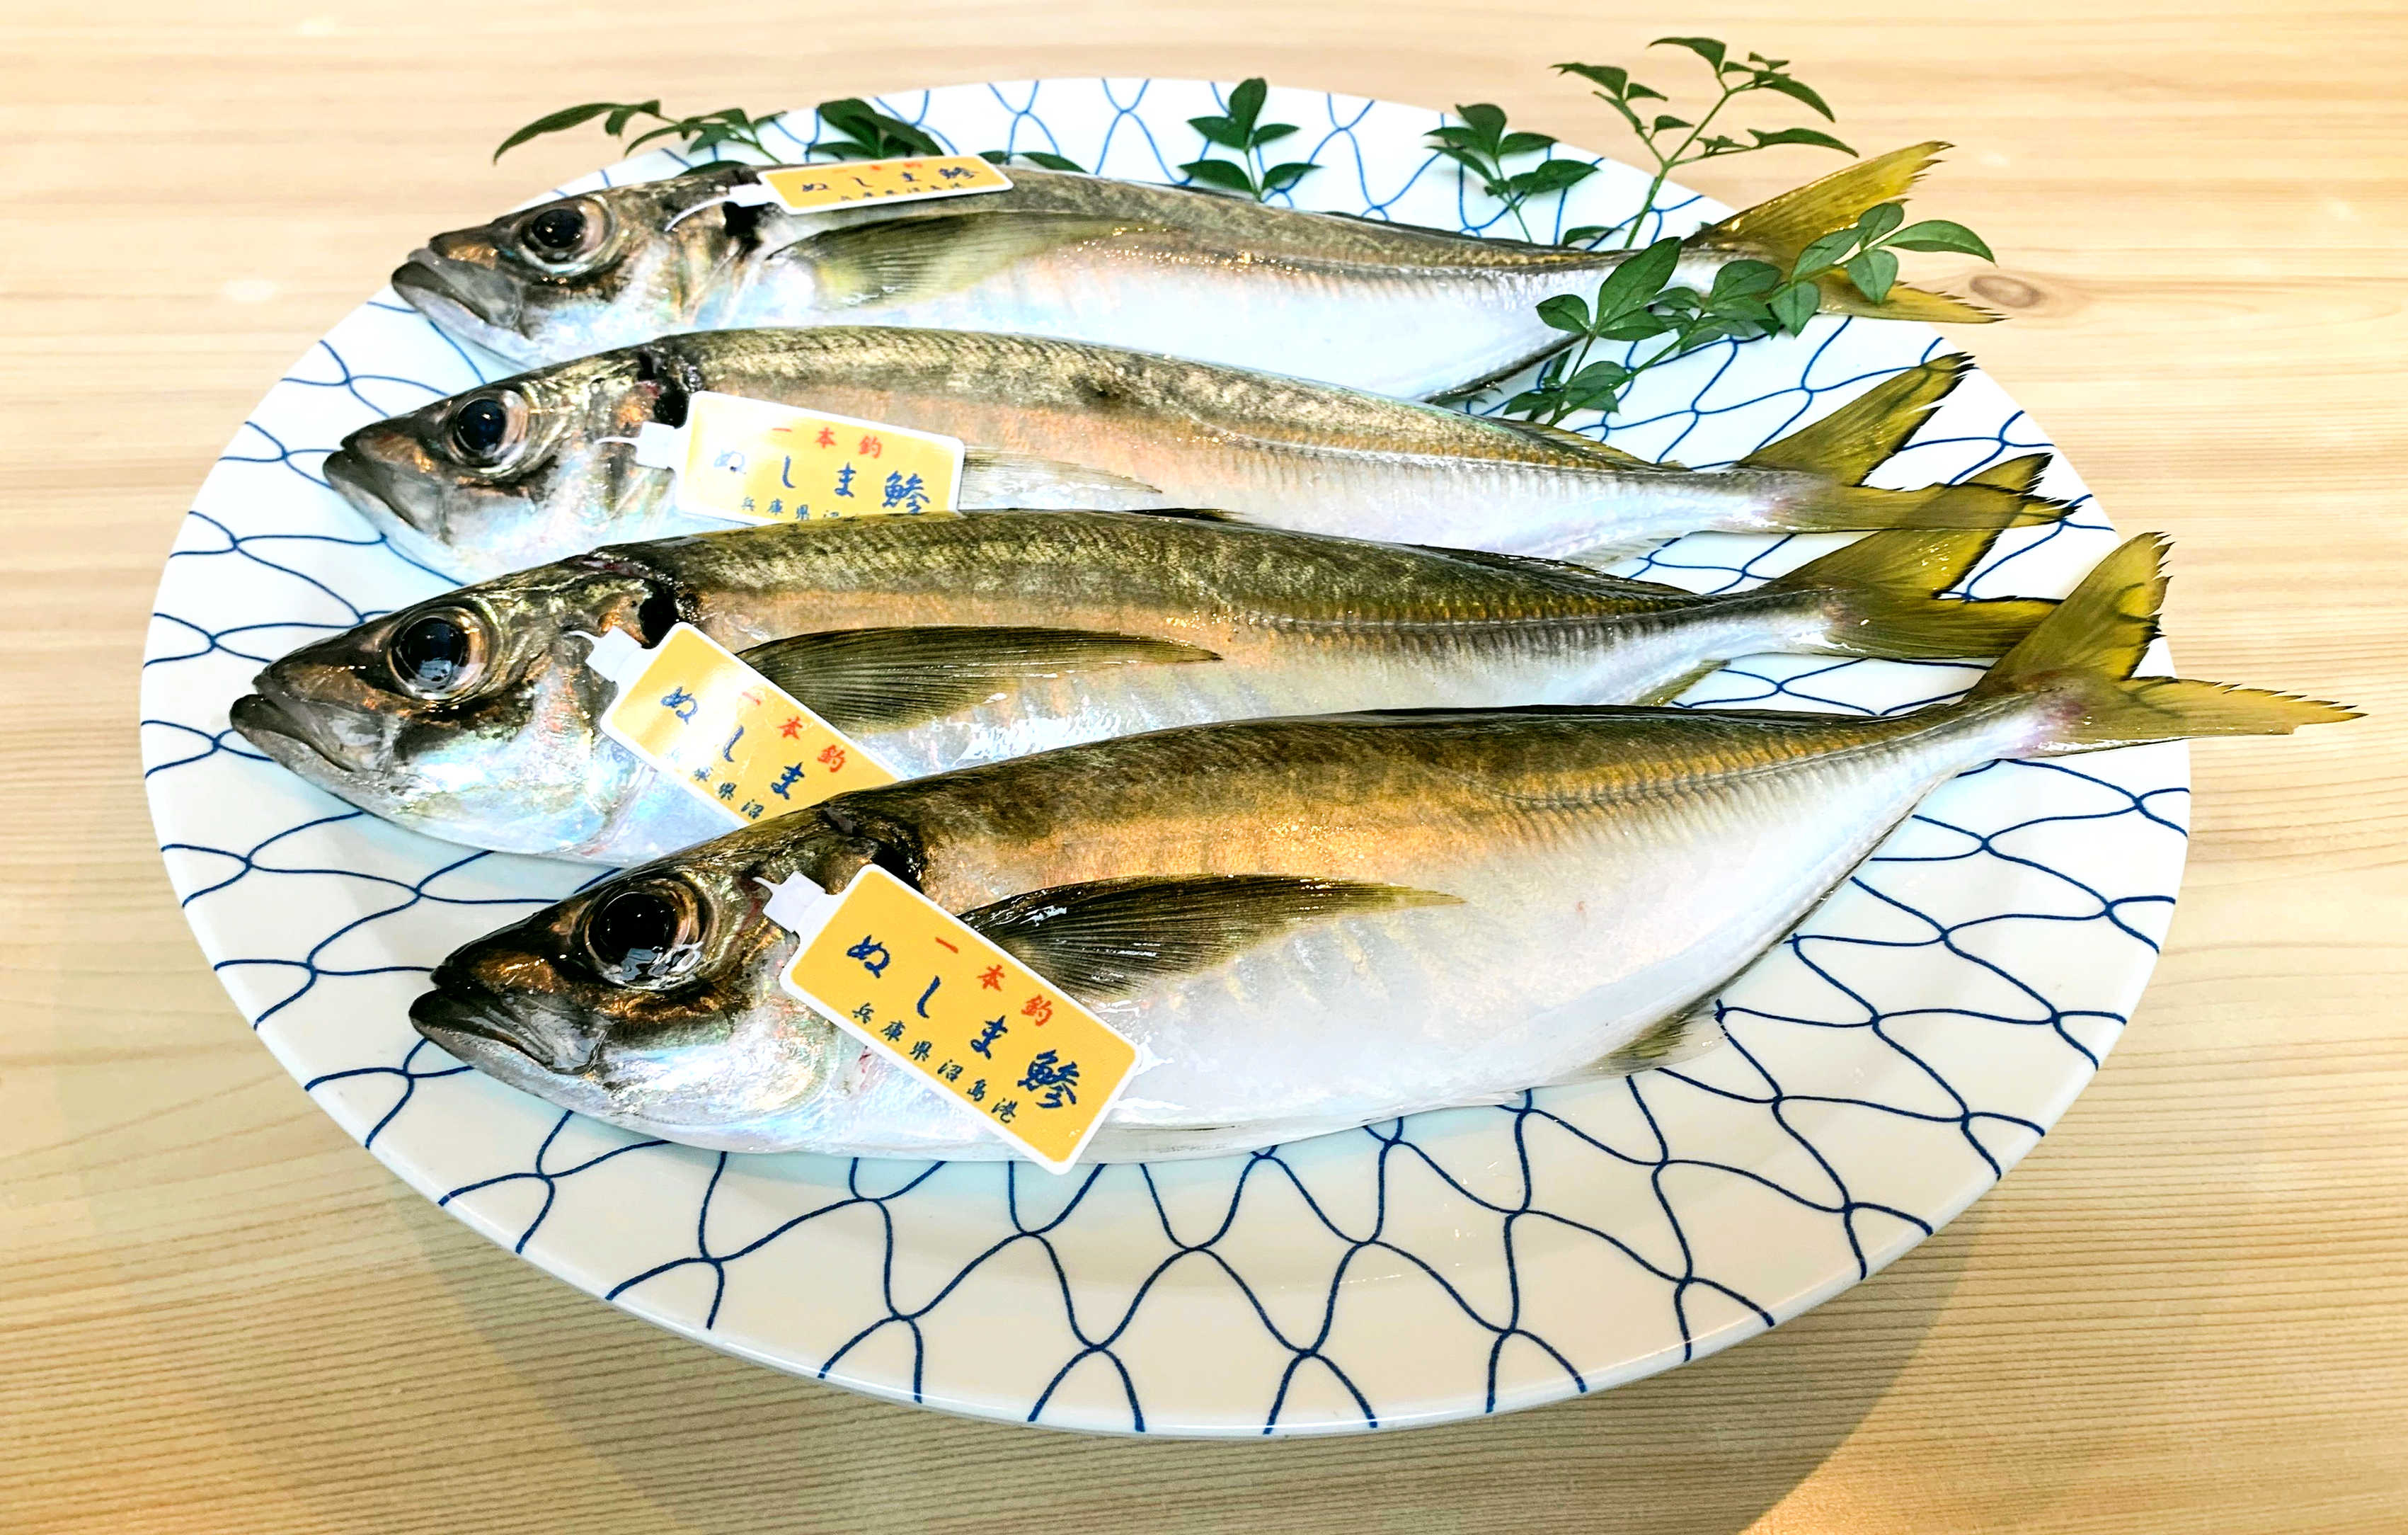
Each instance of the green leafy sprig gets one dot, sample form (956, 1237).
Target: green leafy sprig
(1674, 141)
(1481, 144)
(1240, 131)
(862, 132)
(1636, 305)
(870, 134)
(703, 131)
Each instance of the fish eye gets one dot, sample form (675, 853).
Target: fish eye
(486, 428)
(645, 935)
(564, 233)
(438, 654)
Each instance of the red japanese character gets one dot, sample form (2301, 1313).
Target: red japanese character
(992, 979)
(1039, 1007)
(827, 436)
(793, 727)
(834, 756)
(870, 447)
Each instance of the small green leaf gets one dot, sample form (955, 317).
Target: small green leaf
(1666, 122)
(1246, 102)
(1638, 280)
(1566, 312)
(1456, 137)
(1824, 252)
(1521, 143)
(1268, 133)
(683, 128)
(1549, 176)
(1527, 403)
(1580, 234)
(1940, 235)
(1879, 220)
(1048, 160)
(1614, 79)
(1795, 90)
(1220, 129)
(1635, 327)
(1797, 135)
(553, 122)
(1486, 121)
(1221, 174)
(1281, 178)
(616, 124)
(1742, 279)
(1873, 272)
(1641, 92)
(1707, 49)
(1794, 305)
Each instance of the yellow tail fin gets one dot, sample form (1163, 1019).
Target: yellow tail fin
(1881, 596)
(1779, 229)
(2083, 655)
(1852, 441)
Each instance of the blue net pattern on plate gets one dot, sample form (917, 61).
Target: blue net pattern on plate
(1886, 1063)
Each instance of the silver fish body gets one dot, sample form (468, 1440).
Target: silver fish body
(1306, 923)
(941, 641)
(543, 466)
(1378, 306)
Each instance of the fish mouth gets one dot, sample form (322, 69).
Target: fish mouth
(357, 479)
(286, 738)
(467, 1020)
(460, 304)
(421, 281)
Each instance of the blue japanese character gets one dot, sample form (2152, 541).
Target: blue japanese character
(1005, 1110)
(977, 1093)
(934, 981)
(727, 790)
(727, 752)
(872, 955)
(844, 480)
(786, 473)
(1058, 1080)
(787, 777)
(863, 1015)
(988, 1033)
(920, 1049)
(730, 460)
(893, 1031)
(906, 492)
(681, 703)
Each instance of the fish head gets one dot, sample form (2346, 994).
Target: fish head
(586, 272)
(653, 1000)
(518, 472)
(471, 716)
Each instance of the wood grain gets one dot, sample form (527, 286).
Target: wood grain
(2187, 1312)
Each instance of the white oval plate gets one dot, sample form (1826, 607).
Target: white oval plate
(1886, 1065)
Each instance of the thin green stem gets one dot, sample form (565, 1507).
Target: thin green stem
(1666, 165)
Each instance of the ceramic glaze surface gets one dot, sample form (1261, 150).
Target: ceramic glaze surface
(1886, 1063)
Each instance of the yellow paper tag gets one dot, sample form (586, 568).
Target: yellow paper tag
(751, 461)
(922, 988)
(802, 188)
(732, 738)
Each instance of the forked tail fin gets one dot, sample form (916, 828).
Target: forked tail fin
(1881, 596)
(1854, 440)
(2080, 659)
(1781, 228)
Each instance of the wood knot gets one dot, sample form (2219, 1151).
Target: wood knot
(2023, 295)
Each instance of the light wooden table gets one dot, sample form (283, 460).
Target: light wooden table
(2187, 1311)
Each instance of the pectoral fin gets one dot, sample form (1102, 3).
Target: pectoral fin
(871, 680)
(1109, 938)
(911, 259)
(995, 478)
